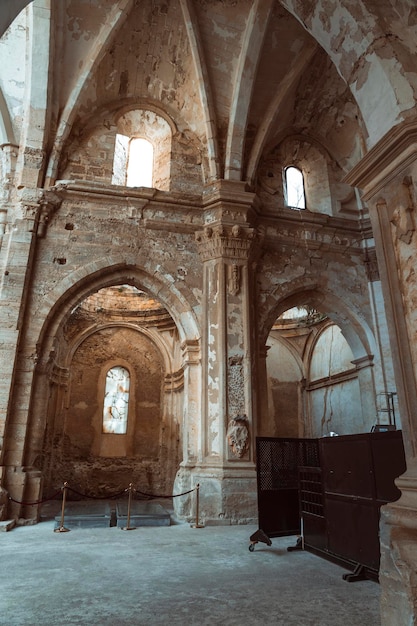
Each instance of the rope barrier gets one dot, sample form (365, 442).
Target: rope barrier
(36, 502)
(65, 488)
(154, 496)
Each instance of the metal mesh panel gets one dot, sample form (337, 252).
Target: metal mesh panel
(278, 461)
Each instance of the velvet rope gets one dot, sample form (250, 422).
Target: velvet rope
(36, 501)
(151, 496)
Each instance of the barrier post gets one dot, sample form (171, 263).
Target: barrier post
(128, 526)
(197, 506)
(61, 528)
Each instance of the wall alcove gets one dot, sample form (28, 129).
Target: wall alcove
(117, 329)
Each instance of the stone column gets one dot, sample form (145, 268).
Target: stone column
(225, 468)
(388, 177)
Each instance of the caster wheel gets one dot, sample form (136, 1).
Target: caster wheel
(251, 547)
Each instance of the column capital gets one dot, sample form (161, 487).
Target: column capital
(235, 242)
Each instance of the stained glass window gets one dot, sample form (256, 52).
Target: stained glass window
(116, 401)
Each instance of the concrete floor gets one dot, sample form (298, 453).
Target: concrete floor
(175, 575)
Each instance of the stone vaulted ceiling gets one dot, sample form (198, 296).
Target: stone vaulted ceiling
(241, 75)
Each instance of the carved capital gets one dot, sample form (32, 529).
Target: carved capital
(191, 352)
(232, 242)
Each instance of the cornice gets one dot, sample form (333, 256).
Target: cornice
(391, 155)
(315, 230)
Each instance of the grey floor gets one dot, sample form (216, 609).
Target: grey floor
(173, 575)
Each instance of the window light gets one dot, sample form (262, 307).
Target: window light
(140, 163)
(294, 188)
(116, 401)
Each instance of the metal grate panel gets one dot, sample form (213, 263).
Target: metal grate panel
(279, 460)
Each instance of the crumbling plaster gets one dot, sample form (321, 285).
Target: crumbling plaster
(236, 84)
(360, 53)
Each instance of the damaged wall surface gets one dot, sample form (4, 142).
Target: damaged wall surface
(186, 282)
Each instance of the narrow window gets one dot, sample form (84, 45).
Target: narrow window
(133, 162)
(294, 188)
(116, 401)
(140, 163)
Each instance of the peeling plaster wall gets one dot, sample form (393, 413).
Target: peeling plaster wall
(284, 378)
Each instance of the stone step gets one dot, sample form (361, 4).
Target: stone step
(104, 513)
(141, 514)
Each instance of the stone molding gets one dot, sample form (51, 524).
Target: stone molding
(371, 264)
(191, 352)
(59, 375)
(174, 381)
(386, 160)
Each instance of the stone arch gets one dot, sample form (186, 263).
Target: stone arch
(354, 327)
(361, 342)
(324, 190)
(178, 158)
(103, 273)
(360, 56)
(90, 331)
(52, 380)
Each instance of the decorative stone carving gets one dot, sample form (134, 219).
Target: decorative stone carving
(49, 202)
(234, 242)
(238, 435)
(235, 385)
(234, 279)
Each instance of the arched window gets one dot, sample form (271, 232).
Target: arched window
(133, 162)
(294, 188)
(116, 401)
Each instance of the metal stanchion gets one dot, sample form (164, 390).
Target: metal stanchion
(128, 526)
(197, 505)
(61, 528)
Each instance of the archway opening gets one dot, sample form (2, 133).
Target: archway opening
(117, 420)
(313, 383)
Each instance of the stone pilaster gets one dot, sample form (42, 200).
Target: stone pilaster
(224, 464)
(16, 262)
(388, 178)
